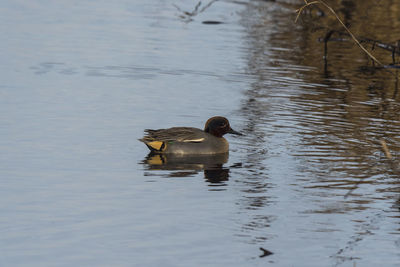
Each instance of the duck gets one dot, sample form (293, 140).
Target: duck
(189, 140)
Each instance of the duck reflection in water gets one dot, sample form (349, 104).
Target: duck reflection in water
(184, 166)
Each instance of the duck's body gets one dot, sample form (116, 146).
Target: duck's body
(184, 140)
(191, 141)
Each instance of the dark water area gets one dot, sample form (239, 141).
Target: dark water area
(309, 180)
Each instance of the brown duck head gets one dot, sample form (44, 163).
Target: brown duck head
(218, 126)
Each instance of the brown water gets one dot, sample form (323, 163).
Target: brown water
(308, 181)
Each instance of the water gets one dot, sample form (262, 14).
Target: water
(80, 81)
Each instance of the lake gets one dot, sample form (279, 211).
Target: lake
(308, 184)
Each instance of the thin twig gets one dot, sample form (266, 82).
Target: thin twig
(394, 165)
(386, 149)
(341, 22)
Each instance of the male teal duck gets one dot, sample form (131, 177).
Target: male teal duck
(191, 141)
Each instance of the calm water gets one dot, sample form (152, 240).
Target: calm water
(80, 80)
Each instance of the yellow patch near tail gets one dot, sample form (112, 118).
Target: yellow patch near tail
(156, 145)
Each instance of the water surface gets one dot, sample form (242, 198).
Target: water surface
(309, 182)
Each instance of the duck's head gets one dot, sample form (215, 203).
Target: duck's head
(218, 126)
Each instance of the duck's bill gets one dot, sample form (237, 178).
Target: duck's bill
(231, 131)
